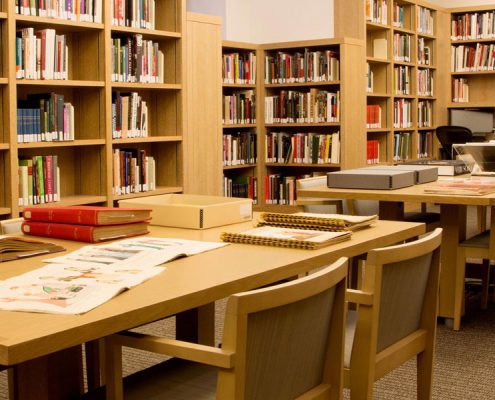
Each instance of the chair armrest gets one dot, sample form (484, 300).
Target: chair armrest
(359, 297)
(176, 348)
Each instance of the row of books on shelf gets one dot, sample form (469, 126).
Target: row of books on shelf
(460, 90)
(397, 15)
(280, 189)
(135, 59)
(376, 11)
(302, 148)
(425, 82)
(39, 180)
(241, 186)
(41, 55)
(239, 68)
(402, 79)
(424, 52)
(402, 146)
(239, 108)
(310, 66)
(133, 13)
(424, 20)
(129, 116)
(471, 26)
(425, 114)
(402, 47)
(479, 57)
(45, 117)
(239, 148)
(369, 78)
(372, 151)
(425, 144)
(73, 10)
(315, 106)
(133, 171)
(373, 116)
(402, 113)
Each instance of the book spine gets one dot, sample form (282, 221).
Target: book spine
(61, 231)
(62, 215)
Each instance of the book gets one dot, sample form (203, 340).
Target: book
(13, 248)
(445, 167)
(83, 233)
(467, 187)
(321, 222)
(286, 237)
(87, 215)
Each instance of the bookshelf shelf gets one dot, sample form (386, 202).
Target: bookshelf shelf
(375, 60)
(301, 84)
(238, 126)
(472, 41)
(302, 125)
(60, 83)
(376, 94)
(72, 201)
(68, 143)
(148, 86)
(404, 30)
(86, 164)
(147, 33)
(238, 86)
(301, 165)
(472, 104)
(241, 166)
(65, 25)
(375, 26)
(149, 139)
(473, 73)
(158, 191)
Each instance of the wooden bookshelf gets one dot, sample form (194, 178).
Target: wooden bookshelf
(349, 124)
(481, 82)
(241, 179)
(386, 65)
(86, 163)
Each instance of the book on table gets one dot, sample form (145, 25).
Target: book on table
(322, 222)
(474, 186)
(87, 215)
(83, 233)
(14, 248)
(286, 237)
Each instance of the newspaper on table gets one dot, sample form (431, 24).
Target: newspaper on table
(86, 278)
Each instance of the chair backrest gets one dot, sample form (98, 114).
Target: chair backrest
(450, 134)
(294, 329)
(402, 281)
(314, 204)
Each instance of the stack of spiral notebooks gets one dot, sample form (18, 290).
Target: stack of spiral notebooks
(300, 230)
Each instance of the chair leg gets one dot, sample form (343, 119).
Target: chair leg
(425, 372)
(485, 283)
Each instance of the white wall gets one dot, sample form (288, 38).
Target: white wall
(461, 3)
(264, 21)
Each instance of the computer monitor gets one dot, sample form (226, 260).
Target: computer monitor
(479, 157)
(479, 121)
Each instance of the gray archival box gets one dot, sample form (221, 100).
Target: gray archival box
(370, 178)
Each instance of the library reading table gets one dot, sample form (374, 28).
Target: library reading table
(45, 349)
(452, 220)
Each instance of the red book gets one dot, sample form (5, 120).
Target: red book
(83, 233)
(87, 215)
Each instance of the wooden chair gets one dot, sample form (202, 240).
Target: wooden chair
(280, 342)
(480, 246)
(314, 204)
(396, 315)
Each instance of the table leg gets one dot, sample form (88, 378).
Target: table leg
(197, 325)
(453, 222)
(391, 210)
(56, 376)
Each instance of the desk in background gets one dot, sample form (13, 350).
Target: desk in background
(187, 283)
(452, 220)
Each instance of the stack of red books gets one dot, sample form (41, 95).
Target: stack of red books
(85, 223)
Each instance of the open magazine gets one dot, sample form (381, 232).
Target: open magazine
(82, 280)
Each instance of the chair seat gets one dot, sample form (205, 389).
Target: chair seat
(480, 240)
(173, 379)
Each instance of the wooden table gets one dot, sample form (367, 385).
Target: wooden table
(186, 283)
(452, 219)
